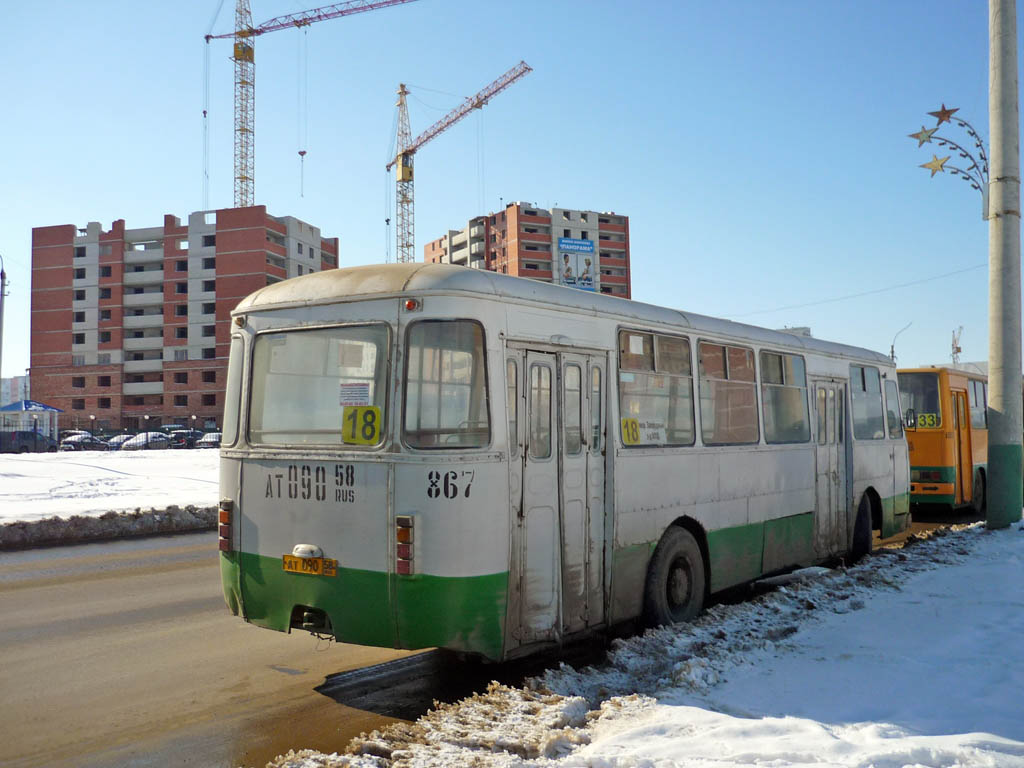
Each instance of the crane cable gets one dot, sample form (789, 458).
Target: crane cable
(206, 108)
(302, 106)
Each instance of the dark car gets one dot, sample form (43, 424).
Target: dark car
(26, 441)
(83, 443)
(185, 438)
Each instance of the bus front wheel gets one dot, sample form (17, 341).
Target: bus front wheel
(978, 493)
(675, 579)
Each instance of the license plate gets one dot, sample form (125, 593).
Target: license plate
(314, 566)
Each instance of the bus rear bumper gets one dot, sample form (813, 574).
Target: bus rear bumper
(932, 493)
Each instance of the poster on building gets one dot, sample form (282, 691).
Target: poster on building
(577, 266)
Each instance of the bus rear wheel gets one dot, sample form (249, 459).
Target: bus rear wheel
(674, 590)
(978, 493)
(861, 544)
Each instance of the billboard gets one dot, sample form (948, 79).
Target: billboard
(576, 266)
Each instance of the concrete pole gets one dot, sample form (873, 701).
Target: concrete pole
(3, 291)
(1004, 318)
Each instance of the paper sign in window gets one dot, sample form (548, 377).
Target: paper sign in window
(355, 393)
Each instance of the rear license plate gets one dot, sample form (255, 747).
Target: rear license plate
(314, 566)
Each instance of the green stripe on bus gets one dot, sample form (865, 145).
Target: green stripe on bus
(459, 613)
(932, 498)
(894, 511)
(735, 554)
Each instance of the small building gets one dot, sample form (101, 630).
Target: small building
(30, 416)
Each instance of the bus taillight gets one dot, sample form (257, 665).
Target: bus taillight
(224, 525)
(403, 545)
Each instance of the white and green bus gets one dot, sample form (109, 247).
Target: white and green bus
(425, 455)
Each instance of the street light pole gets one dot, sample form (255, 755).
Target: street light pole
(3, 292)
(1004, 314)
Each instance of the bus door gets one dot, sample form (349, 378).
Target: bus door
(562, 498)
(962, 447)
(831, 443)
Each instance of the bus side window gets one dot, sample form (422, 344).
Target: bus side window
(512, 405)
(822, 433)
(540, 412)
(892, 410)
(595, 410)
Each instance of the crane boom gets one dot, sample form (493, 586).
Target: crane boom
(473, 102)
(245, 75)
(305, 18)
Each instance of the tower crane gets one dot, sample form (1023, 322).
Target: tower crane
(406, 148)
(245, 84)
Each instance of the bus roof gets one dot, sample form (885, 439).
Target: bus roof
(380, 280)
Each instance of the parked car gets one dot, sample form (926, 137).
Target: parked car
(147, 441)
(117, 441)
(209, 440)
(64, 434)
(84, 442)
(185, 438)
(26, 441)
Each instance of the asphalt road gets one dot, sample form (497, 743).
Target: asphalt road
(124, 654)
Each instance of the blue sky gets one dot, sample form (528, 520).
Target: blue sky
(759, 148)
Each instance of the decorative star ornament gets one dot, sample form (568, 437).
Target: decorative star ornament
(923, 135)
(943, 115)
(935, 164)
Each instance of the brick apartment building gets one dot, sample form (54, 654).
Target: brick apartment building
(583, 249)
(135, 323)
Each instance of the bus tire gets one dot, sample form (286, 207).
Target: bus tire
(978, 493)
(674, 590)
(861, 544)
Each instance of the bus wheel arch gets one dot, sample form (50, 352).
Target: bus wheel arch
(979, 497)
(677, 576)
(868, 519)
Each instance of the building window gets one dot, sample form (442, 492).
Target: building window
(209, 240)
(181, 265)
(79, 317)
(583, 235)
(299, 247)
(102, 359)
(104, 314)
(78, 382)
(209, 399)
(209, 377)
(105, 272)
(78, 338)
(583, 217)
(104, 403)
(209, 263)
(77, 360)
(104, 337)
(104, 293)
(209, 330)
(181, 288)
(180, 401)
(79, 295)
(181, 332)
(566, 233)
(78, 404)
(209, 353)
(80, 252)
(209, 308)
(181, 354)
(80, 273)
(312, 252)
(181, 310)
(566, 215)
(103, 381)
(209, 285)
(181, 377)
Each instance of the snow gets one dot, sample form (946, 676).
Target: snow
(910, 658)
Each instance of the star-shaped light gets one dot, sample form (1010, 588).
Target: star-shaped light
(943, 114)
(935, 164)
(923, 135)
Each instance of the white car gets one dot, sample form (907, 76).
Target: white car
(147, 441)
(209, 440)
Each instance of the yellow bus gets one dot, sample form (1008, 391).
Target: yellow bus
(947, 435)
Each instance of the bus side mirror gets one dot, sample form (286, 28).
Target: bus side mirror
(910, 419)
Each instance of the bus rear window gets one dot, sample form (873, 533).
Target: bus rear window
(920, 391)
(446, 386)
(326, 386)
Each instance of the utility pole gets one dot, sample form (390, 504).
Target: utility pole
(1004, 319)
(3, 292)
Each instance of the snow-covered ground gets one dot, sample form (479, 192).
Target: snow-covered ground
(911, 658)
(79, 495)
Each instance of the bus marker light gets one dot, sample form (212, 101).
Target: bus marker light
(224, 531)
(224, 516)
(403, 544)
(224, 545)
(404, 567)
(413, 305)
(225, 508)
(405, 551)
(404, 535)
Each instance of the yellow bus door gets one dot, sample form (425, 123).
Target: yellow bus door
(962, 443)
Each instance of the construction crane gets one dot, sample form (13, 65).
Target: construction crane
(406, 148)
(245, 83)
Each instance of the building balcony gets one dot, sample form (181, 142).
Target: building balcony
(476, 249)
(143, 366)
(143, 256)
(149, 277)
(149, 342)
(154, 299)
(143, 321)
(143, 387)
(477, 231)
